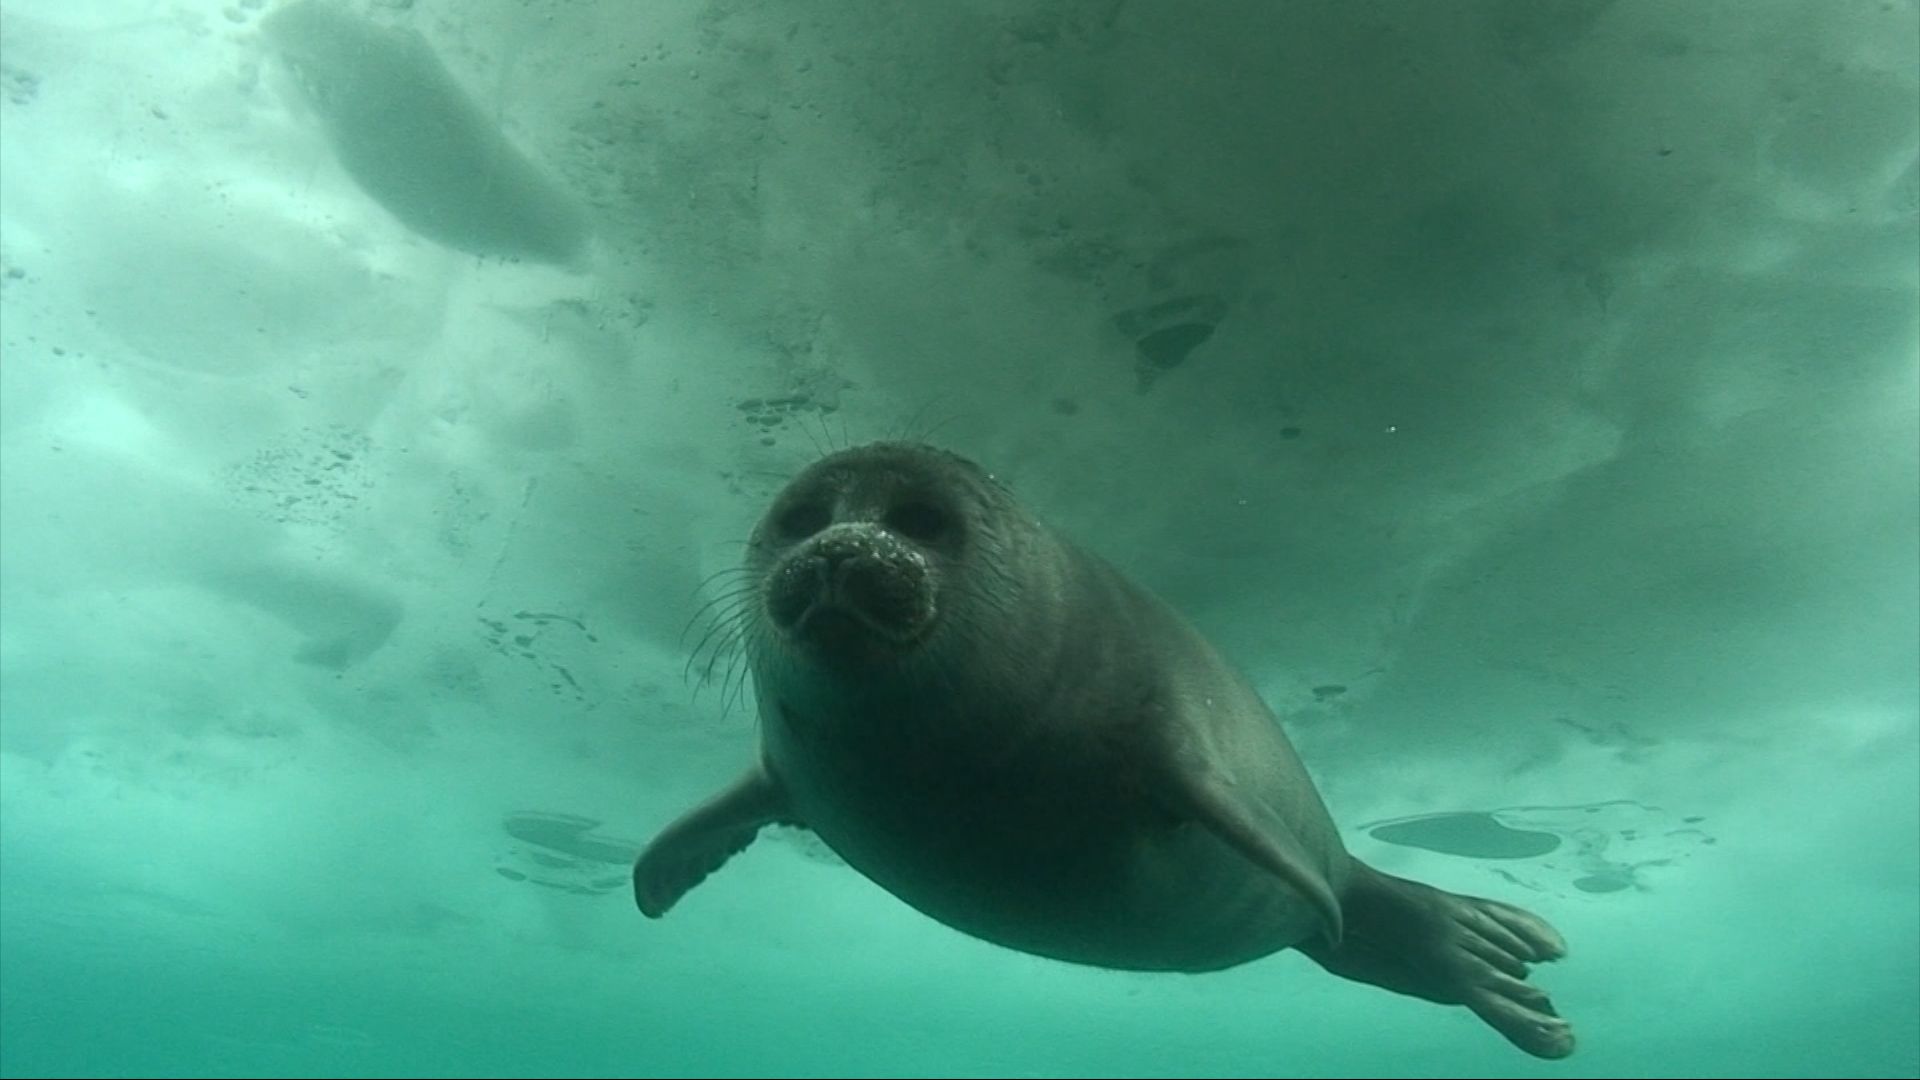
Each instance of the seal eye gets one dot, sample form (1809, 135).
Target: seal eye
(920, 521)
(803, 520)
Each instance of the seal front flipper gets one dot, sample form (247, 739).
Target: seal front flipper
(704, 838)
(1455, 950)
(1251, 827)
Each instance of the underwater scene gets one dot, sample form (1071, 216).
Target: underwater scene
(991, 538)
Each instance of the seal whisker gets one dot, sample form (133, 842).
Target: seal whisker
(722, 572)
(732, 588)
(737, 669)
(905, 431)
(911, 430)
(733, 593)
(926, 435)
(717, 622)
(728, 626)
(824, 444)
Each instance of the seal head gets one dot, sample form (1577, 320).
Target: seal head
(872, 564)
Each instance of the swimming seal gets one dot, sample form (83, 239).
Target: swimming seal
(1004, 732)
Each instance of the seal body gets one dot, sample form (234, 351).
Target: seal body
(1022, 796)
(1002, 730)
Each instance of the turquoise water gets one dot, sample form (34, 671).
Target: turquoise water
(1526, 396)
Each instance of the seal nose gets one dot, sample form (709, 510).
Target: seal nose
(818, 573)
(853, 570)
(842, 545)
(855, 564)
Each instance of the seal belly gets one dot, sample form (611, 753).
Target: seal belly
(1028, 852)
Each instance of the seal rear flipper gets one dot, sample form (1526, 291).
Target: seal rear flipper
(703, 839)
(1250, 826)
(1454, 950)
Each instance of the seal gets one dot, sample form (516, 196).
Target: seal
(1000, 729)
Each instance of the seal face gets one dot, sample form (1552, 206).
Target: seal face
(1006, 733)
(866, 566)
